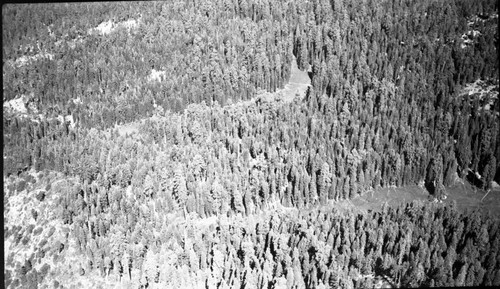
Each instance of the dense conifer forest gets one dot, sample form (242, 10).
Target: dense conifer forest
(213, 144)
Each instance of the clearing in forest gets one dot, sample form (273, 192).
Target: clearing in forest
(467, 197)
(295, 88)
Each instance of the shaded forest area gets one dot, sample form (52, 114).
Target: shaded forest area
(385, 108)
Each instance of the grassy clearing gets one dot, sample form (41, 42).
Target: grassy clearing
(296, 87)
(464, 194)
(374, 200)
(470, 198)
(299, 80)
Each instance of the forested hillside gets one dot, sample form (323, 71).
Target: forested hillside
(208, 184)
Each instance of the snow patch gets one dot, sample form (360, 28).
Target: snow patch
(482, 88)
(468, 37)
(486, 93)
(478, 176)
(129, 24)
(23, 107)
(67, 118)
(475, 19)
(103, 28)
(109, 26)
(16, 104)
(23, 60)
(157, 75)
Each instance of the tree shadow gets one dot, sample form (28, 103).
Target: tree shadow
(473, 179)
